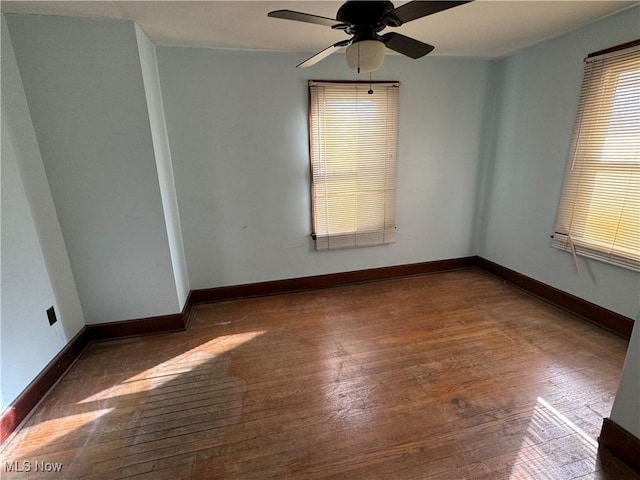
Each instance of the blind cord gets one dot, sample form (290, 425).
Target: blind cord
(573, 254)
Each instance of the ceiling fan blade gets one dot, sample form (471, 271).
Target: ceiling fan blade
(418, 9)
(303, 17)
(405, 45)
(323, 54)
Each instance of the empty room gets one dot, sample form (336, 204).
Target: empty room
(319, 239)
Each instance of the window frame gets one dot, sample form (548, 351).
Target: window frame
(324, 241)
(587, 158)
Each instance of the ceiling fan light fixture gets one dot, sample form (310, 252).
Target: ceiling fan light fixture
(365, 56)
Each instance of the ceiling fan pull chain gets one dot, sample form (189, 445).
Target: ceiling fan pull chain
(370, 92)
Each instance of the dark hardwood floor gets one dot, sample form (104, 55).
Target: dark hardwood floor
(443, 376)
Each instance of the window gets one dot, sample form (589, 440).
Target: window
(599, 212)
(353, 142)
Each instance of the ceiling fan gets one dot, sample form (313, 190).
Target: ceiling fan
(363, 21)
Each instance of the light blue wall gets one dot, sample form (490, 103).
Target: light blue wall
(537, 97)
(85, 91)
(237, 124)
(626, 407)
(164, 165)
(36, 273)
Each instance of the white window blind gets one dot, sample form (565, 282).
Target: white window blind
(353, 143)
(599, 211)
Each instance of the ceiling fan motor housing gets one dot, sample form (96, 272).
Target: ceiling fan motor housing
(365, 19)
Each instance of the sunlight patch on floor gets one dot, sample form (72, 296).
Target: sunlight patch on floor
(168, 370)
(52, 430)
(539, 459)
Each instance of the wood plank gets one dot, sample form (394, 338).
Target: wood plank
(449, 375)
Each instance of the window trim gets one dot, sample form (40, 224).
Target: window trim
(310, 84)
(573, 188)
(614, 49)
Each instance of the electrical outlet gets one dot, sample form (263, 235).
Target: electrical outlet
(51, 314)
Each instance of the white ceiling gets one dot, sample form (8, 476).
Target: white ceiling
(484, 28)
